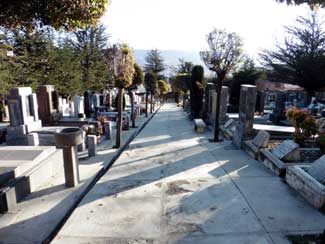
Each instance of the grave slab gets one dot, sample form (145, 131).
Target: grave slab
(286, 151)
(317, 169)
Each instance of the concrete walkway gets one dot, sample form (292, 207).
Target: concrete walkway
(173, 186)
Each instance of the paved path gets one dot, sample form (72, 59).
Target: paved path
(172, 186)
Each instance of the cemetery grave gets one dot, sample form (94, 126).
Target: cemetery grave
(309, 181)
(23, 170)
(252, 147)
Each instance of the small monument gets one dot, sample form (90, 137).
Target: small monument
(244, 129)
(23, 110)
(79, 110)
(223, 104)
(89, 106)
(48, 101)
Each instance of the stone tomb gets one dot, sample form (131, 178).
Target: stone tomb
(244, 128)
(309, 181)
(48, 105)
(23, 110)
(24, 169)
(252, 147)
(280, 158)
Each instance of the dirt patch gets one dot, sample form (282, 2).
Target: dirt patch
(174, 188)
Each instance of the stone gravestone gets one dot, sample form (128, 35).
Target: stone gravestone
(223, 104)
(213, 101)
(317, 170)
(260, 102)
(277, 114)
(88, 104)
(65, 108)
(261, 140)
(209, 86)
(48, 101)
(287, 151)
(78, 107)
(23, 110)
(244, 128)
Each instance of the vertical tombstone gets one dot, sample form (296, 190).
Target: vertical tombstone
(223, 104)
(48, 100)
(212, 106)
(101, 100)
(23, 112)
(278, 111)
(209, 86)
(65, 108)
(260, 102)
(247, 101)
(88, 101)
(78, 106)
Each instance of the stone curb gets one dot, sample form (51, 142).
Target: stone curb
(95, 178)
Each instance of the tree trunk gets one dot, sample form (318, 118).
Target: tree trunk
(119, 118)
(184, 101)
(132, 109)
(147, 104)
(151, 104)
(217, 121)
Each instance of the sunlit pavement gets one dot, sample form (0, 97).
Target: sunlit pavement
(172, 186)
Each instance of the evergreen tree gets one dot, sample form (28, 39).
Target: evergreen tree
(197, 90)
(301, 59)
(31, 58)
(66, 70)
(90, 44)
(247, 74)
(154, 63)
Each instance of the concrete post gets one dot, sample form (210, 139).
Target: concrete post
(71, 170)
(92, 145)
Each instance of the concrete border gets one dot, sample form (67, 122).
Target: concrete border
(309, 188)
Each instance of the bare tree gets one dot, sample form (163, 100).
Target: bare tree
(225, 51)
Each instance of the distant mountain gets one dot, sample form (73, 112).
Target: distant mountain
(171, 57)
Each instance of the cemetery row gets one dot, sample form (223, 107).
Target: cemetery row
(288, 151)
(47, 135)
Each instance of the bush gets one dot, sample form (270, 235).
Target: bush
(304, 124)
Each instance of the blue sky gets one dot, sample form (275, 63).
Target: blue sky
(183, 24)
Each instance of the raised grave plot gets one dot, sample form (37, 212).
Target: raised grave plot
(23, 169)
(252, 147)
(309, 181)
(287, 154)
